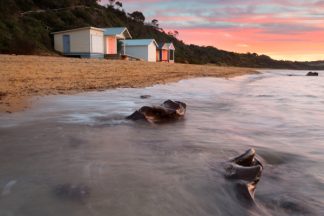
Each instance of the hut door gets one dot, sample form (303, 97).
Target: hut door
(165, 55)
(66, 44)
(112, 48)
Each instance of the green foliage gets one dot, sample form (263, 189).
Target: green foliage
(119, 4)
(25, 27)
(137, 16)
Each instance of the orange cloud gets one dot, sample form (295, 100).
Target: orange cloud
(303, 46)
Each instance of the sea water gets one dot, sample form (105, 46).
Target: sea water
(136, 168)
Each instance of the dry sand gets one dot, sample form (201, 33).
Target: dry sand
(25, 76)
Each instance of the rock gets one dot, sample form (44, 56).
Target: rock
(137, 115)
(72, 192)
(245, 172)
(168, 111)
(312, 74)
(8, 188)
(145, 96)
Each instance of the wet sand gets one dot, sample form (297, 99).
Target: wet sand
(26, 76)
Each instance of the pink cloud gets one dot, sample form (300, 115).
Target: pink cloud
(280, 28)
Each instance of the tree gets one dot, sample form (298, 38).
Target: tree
(155, 23)
(137, 16)
(174, 33)
(119, 4)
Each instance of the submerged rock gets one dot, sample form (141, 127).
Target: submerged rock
(145, 96)
(245, 171)
(72, 192)
(312, 74)
(8, 187)
(168, 111)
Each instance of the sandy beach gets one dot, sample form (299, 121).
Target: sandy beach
(26, 76)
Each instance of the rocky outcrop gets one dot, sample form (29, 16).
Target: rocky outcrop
(312, 74)
(166, 112)
(245, 172)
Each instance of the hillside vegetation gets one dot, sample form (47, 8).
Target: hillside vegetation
(25, 27)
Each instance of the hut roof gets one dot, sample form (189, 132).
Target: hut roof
(121, 32)
(140, 42)
(78, 29)
(166, 46)
(170, 46)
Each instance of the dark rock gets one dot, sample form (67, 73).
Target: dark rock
(145, 96)
(137, 115)
(168, 111)
(72, 192)
(312, 74)
(245, 171)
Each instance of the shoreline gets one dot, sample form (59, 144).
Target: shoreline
(23, 77)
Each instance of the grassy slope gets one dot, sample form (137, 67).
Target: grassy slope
(29, 33)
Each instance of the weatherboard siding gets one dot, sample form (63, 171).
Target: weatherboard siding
(81, 41)
(137, 51)
(96, 41)
(58, 42)
(152, 52)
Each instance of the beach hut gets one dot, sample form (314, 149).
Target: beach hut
(87, 42)
(112, 39)
(165, 52)
(144, 49)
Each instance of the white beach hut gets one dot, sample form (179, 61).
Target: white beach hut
(87, 42)
(141, 48)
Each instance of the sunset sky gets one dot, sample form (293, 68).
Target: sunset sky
(282, 29)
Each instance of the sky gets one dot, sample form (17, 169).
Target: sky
(282, 29)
